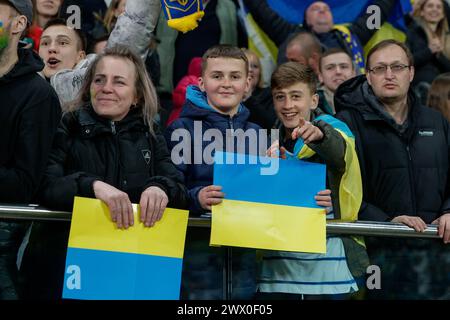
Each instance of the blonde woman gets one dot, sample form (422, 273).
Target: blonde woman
(105, 148)
(429, 40)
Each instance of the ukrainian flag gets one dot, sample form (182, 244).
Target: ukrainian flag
(276, 212)
(106, 263)
(350, 189)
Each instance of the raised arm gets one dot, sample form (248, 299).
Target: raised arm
(135, 26)
(275, 26)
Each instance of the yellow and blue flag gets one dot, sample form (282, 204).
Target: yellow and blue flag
(350, 188)
(106, 263)
(276, 212)
(183, 15)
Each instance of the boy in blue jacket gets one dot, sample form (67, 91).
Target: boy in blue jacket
(211, 115)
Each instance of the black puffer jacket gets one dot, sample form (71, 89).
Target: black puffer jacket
(403, 173)
(123, 154)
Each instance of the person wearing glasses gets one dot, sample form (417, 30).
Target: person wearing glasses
(403, 149)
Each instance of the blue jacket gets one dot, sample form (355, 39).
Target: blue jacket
(196, 108)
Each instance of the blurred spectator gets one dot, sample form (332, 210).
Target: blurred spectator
(335, 67)
(318, 19)
(305, 49)
(439, 94)
(429, 41)
(115, 9)
(258, 100)
(44, 11)
(254, 71)
(179, 94)
(29, 115)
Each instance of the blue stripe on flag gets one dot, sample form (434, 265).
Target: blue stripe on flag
(283, 188)
(107, 275)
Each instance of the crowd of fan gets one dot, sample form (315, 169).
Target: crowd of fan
(80, 106)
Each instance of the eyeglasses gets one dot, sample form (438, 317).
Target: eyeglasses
(395, 68)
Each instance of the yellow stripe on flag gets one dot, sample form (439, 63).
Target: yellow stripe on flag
(91, 217)
(268, 226)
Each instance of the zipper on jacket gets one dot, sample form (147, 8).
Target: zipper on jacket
(118, 168)
(230, 121)
(411, 179)
(113, 127)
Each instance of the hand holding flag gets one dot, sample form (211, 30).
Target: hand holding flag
(275, 151)
(210, 195)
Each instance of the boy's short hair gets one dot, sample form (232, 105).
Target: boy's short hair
(290, 73)
(331, 51)
(224, 51)
(82, 41)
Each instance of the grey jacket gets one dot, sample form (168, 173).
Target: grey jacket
(133, 28)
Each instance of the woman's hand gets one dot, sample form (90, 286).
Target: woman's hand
(153, 203)
(118, 203)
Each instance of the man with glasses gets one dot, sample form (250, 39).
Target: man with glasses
(403, 149)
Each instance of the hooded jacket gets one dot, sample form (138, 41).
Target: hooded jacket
(196, 111)
(123, 154)
(29, 115)
(405, 169)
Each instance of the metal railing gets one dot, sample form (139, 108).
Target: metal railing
(363, 228)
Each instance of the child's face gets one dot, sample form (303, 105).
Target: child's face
(225, 82)
(294, 102)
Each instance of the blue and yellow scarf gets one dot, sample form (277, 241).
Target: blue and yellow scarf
(350, 189)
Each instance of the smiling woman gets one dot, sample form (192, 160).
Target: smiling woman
(429, 40)
(107, 147)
